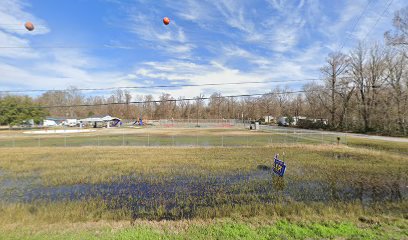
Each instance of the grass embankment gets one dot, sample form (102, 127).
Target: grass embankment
(389, 146)
(231, 228)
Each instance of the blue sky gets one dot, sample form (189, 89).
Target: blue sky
(112, 43)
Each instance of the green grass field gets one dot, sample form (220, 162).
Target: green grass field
(396, 147)
(132, 192)
(167, 137)
(221, 229)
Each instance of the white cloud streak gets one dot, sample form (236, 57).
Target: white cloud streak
(276, 40)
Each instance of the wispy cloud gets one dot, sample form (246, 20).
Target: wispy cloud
(235, 15)
(234, 52)
(359, 20)
(9, 40)
(25, 67)
(208, 41)
(13, 16)
(13, 41)
(154, 34)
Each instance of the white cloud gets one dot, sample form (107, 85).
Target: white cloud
(13, 16)
(7, 40)
(233, 51)
(13, 41)
(359, 20)
(26, 67)
(225, 41)
(286, 25)
(161, 36)
(302, 66)
(234, 14)
(200, 13)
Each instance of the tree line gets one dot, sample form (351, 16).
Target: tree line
(363, 90)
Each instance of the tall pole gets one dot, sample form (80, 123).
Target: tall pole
(346, 120)
(345, 134)
(123, 137)
(197, 111)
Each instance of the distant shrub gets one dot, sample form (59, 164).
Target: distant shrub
(309, 124)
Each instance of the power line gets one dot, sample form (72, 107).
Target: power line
(161, 101)
(105, 46)
(161, 86)
(378, 19)
(170, 100)
(357, 22)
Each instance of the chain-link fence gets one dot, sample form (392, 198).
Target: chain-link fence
(189, 123)
(200, 138)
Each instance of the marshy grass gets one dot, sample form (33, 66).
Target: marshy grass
(327, 190)
(64, 166)
(389, 146)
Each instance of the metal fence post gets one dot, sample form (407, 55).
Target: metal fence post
(14, 140)
(297, 136)
(39, 141)
(123, 137)
(148, 140)
(172, 138)
(65, 140)
(222, 141)
(345, 138)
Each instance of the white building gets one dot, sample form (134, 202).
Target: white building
(49, 123)
(70, 122)
(297, 118)
(101, 121)
(269, 119)
(322, 120)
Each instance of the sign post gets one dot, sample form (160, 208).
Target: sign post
(279, 167)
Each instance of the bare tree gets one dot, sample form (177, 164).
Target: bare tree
(396, 74)
(368, 75)
(148, 107)
(184, 108)
(165, 106)
(281, 97)
(336, 65)
(199, 107)
(358, 61)
(266, 103)
(346, 91)
(400, 35)
(313, 108)
(215, 105)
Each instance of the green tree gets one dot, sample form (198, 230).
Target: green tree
(15, 110)
(290, 120)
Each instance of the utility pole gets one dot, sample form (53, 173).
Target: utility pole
(345, 134)
(242, 116)
(197, 114)
(198, 104)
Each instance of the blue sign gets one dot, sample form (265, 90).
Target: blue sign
(279, 166)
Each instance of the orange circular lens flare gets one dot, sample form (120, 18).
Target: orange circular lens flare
(166, 21)
(29, 26)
